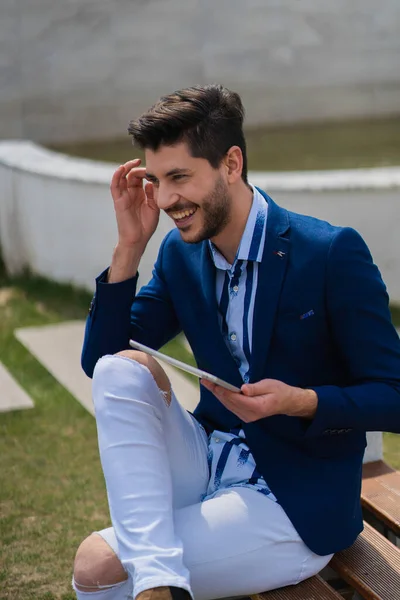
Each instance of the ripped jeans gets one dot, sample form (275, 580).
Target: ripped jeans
(154, 458)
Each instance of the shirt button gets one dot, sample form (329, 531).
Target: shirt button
(233, 337)
(236, 288)
(217, 440)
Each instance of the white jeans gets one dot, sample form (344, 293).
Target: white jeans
(154, 459)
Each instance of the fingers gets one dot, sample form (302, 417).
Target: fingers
(134, 177)
(132, 163)
(239, 405)
(149, 191)
(248, 389)
(116, 180)
(219, 391)
(212, 387)
(124, 169)
(258, 388)
(129, 174)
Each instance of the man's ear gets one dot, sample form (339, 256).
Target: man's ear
(233, 162)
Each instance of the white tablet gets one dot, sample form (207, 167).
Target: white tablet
(181, 365)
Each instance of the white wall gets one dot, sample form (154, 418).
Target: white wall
(366, 199)
(82, 69)
(57, 217)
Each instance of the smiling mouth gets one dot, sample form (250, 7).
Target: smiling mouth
(180, 216)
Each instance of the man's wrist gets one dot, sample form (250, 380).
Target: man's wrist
(124, 264)
(305, 403)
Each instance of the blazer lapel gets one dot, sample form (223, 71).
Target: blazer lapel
(271, 273)
(207, 283)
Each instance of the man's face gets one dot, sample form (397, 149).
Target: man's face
(190, 191)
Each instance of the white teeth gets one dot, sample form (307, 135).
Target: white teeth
(182, 214)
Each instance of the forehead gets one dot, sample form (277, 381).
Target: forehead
(167, 158)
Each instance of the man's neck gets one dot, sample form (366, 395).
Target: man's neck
(228, 240)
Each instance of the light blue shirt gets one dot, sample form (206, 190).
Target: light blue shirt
(236, 285)
(230, 460)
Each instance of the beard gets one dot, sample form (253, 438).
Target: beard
(216, 209)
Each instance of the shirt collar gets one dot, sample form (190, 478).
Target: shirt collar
(252, 243)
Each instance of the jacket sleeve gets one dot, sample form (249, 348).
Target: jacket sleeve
(117, 314)
(360, 321)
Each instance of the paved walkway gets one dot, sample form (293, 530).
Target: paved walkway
(12, 396)
(58, 347)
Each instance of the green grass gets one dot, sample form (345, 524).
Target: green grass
(52, 491)
(395, 310)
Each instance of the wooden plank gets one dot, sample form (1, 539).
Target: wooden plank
(314, 588)
(371, 566)
(381, 494)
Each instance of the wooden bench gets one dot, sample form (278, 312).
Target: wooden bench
(314, 588)
(380, 496)
(371, 566)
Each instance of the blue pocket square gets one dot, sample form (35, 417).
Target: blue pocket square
(310, 313)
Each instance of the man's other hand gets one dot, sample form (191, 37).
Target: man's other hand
(266, 398)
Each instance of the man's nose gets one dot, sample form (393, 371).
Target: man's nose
(166, 197)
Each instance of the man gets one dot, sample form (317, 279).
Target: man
(257, 489)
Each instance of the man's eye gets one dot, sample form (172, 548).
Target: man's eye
(178, 177)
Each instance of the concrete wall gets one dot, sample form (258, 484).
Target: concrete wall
(81, 69)
(57, 217)
(366, 199)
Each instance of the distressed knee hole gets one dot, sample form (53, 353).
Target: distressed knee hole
(158, 373)
(97, 566)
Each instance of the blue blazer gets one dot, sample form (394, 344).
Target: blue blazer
(321, 321)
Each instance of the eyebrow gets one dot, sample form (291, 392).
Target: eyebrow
(170, 173)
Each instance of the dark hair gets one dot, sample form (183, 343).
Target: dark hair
(208, 118)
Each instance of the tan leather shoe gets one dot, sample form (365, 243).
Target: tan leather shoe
(164, 593)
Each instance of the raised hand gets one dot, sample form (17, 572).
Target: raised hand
(135, 208)
(137, 217)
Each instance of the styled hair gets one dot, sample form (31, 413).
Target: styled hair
(208, 118)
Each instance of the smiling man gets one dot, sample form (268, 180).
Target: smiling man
(257, 489)
(213, 210)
